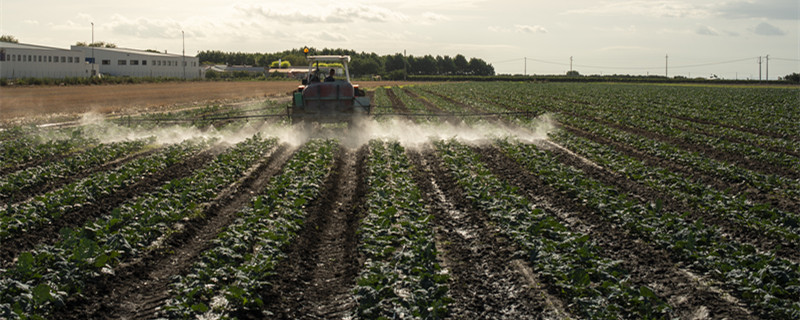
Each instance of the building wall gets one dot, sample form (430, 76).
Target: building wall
(136, 63)
(23, 61)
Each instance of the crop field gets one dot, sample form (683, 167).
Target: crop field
(455, 201)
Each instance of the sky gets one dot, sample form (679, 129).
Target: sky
(696, 38)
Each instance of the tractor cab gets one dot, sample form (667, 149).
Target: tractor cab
(327, 95)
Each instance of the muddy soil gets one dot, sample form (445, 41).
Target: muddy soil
(316, 279)
(139, 288)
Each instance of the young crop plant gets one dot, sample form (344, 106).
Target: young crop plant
(769, 283)
(34, 146)
(229, 278)
(400, 278)
(595, 287)
(44, 277)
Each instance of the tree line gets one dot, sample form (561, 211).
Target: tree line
(361, 64)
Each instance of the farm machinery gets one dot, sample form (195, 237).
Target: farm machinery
(328, 99)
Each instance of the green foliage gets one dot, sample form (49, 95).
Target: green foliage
(793, 77)
(8, 38)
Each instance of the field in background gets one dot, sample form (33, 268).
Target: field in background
(571, 201)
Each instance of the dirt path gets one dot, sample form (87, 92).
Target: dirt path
(140, 287)
(488, 280)
(315, 281)
(690, 295)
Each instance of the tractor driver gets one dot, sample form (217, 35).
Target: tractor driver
(330, 78)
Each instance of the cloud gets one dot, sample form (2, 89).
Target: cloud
(145, 28)
(657, 9)
(530, 29)
(706, 31)
(766, 29)
(521, 28)
(325, 15)
(31, 22)
(769, 9)
(434, 17)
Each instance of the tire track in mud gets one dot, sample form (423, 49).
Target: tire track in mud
(396, 102)
(489, 280)
(30, 192)
(316, 279)
(732, 230)
(691, 296)
(139, 288)
(690, 173)
(49, 233)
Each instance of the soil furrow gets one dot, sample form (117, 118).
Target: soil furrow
(653, 267)
(316, 279)
(397, 104)
(140, 287)
(27, 193)
(49, 233)
(489, 281)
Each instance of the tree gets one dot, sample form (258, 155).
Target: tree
(98, 44)
(8, 38)
(461, 63)
(573, 73)
(445, 65)
(794, 77)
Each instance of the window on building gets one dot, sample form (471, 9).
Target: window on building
(55, 59)
(122, 62)
(63, 59)
(134, 62)
(40, 59)
(144, 62)
(49, 58)
(69, 59)
(105, 62)
(29, 58)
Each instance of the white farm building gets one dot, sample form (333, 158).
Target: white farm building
(32, 61)
(141, 63)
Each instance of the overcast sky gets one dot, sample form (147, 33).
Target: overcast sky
(604, 37)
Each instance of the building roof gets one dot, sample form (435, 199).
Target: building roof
(10, 45)
(135, 51)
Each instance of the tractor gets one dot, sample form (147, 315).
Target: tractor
(331, 99)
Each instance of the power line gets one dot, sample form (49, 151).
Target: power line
(640, 67)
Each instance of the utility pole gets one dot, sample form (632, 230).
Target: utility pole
(183, 53)
(92, 45)
(666, 65)
(570, 63)
(767, 67)
(405, 62)
(759, 68)
(525, 72)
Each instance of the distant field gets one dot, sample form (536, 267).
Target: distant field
(39, 101)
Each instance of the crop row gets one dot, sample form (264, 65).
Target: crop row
(767, 282)
(38, 175)
(231, 276)
(594, 286)
(670, 128)
(24, 216)
(777, 186)
(761, 217)
(43, 278)
(400, 278)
